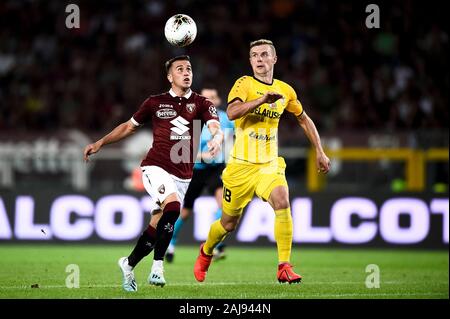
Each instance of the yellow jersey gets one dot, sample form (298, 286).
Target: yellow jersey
(257, 131)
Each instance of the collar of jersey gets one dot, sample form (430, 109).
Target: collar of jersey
(262, 81)
(187, 95)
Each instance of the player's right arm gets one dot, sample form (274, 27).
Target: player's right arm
(238, 108)
(238, 105)
(118, 133)
(123, 130)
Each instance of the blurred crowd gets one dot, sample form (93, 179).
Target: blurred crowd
(348, 77)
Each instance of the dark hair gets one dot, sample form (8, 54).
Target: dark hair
(169, 63)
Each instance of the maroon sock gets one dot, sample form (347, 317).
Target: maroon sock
(144, 246)
(164, 230)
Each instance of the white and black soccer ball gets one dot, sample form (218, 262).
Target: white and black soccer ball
(180, 30)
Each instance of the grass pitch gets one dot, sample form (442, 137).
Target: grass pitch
(246, 273)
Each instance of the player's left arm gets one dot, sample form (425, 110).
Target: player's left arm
(294, 106)
(322, 161)
(215, 143)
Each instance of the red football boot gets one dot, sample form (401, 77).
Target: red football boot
(286, 274)
(202, 264)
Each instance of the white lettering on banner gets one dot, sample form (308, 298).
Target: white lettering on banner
(204, 209)
(43, 155)
(304, 231)
(24, 227)
(340, 220)
(76, 217)
(257, 221)
(440, 206)
(24, 152)
(5, 228)
(390, 228)
(60, 213)
(130, 209)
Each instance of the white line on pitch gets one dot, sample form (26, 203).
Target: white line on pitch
(310, 284)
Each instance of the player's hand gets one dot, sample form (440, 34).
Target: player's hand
(90, 149)
(214, 147)
(323, 163)
(206, 157)
(271, 97)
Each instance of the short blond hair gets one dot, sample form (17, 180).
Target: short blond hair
(262, 42)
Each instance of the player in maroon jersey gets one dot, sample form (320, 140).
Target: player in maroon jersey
(177, 118)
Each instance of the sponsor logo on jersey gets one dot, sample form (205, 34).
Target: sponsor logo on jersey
(161, 189)
(262, 137)
(179, 128)
(166, 113)
(266, 113)
(190, 107)
(165, 106)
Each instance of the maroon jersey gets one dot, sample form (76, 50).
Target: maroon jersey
(177, 123)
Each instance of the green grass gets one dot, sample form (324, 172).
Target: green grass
(245, 273)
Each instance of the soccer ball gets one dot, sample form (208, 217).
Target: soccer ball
(180, 30)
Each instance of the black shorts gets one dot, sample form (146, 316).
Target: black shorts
(210, 177)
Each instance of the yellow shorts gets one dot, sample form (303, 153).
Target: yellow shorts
(242, 180)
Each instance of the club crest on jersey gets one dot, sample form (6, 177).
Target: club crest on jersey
(161, 189)
(166, 114)
(190, 107)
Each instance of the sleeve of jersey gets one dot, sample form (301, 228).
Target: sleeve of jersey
(143, 114)
(294, 106)
(239, 90)
(209, 113)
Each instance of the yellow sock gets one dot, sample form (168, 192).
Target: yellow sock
(216, 234)
(283, 234)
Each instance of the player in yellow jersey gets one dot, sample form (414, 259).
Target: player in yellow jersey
(254, 167)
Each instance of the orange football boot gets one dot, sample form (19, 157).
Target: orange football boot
(202, 264)
(286, 274)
